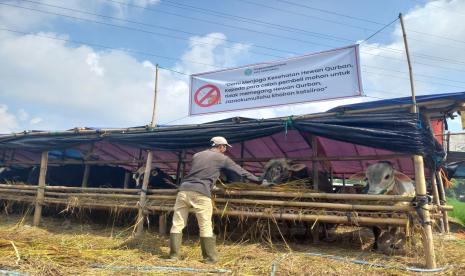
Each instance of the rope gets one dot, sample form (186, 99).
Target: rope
(420, 202)
(275, 263)
(288, 123)
(151, 267)
(12, 273)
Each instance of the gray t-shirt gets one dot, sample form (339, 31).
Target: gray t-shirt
(205, 170)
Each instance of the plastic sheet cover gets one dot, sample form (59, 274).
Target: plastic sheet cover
(397, 132)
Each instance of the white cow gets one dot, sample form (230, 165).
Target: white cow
(383, 179)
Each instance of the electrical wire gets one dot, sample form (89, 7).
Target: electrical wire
(370, 21)
(171, 58)
(155, 26)
(132, 29)
(109, 47)
(398, 51)
(293, 29)
(380, 30)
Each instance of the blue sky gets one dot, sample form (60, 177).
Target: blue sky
(47, 82)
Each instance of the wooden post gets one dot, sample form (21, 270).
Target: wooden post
(436, 199)
(331, 177)
(162, 227)
(41, 189)
(242, 153)
(315, 163)
(85, 177)
(434, 185)
(179, 167)
(153, 122)
(126, 180)
(420, 188)
(143, 194)
(443, 199)
(420, 183)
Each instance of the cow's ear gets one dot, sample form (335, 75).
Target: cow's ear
(358, 176)
(402, 177)
(297, 167)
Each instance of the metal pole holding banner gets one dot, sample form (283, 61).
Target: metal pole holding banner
(420, 182)
(41, 189)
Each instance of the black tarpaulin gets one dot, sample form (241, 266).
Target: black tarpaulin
(397, 132)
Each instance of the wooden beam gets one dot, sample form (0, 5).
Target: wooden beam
(143, 195)
(85, 177)
(40, 189)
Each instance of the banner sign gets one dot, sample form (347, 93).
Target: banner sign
(327, 75)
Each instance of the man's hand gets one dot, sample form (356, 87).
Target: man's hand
(265, 183)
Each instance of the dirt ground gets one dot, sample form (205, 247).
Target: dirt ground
(65, 247)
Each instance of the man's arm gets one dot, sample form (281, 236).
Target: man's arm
(232, 166)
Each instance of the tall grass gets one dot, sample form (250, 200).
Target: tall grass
(459, 209)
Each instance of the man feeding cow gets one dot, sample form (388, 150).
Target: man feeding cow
(195, 192)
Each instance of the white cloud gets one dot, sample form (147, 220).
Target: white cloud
(69, 83)
(8, 121)
(26, 18)
(437, 19)
(94, 65)
(23, 115)
(35, 121)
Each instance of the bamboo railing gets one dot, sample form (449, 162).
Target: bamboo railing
(351, 209)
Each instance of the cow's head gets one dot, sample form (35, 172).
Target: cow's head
(381, 177)
(280, 170)
(138, 176)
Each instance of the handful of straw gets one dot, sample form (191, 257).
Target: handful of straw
(299, 185)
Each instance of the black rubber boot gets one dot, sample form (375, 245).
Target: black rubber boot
(209, 253)
(175, 245)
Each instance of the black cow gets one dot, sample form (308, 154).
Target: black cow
(67, 175)
(158, 179)
(14, 174)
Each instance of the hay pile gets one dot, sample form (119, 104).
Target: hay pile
(73, 250)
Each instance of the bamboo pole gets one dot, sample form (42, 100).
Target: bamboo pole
(238, 160)
(126, 180)
(420, 188)
(436, 200)
(297, 195)
(162, 223)
(143, 195)
(420, 182)
(443, 199)
(154, 119)
(322, 218)
(40, 189)
(339, 206)
(314, 162)
(85, 177)
(294, 195)
(434, 186)
(280, 216)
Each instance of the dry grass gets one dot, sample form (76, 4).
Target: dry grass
(299, 185)
(73, 248)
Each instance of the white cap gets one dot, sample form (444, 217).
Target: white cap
(219, 140)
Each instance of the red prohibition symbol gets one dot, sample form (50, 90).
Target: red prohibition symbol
(207, 95)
